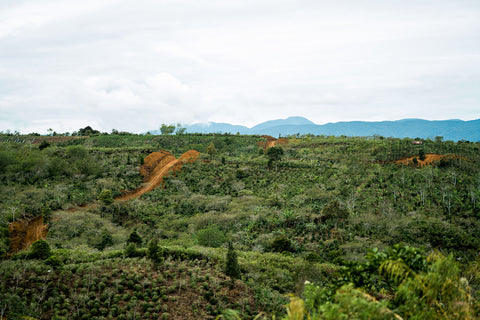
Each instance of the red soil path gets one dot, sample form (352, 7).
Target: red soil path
(429, 159)
(158, 165)
(25, 232)
(271, 142)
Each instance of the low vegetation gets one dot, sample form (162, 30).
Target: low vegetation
(316, 227)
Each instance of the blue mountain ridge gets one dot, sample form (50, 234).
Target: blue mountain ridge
(454, 129)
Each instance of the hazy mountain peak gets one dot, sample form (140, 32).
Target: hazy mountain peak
(298, 120)
(290, 121)
(449, 129)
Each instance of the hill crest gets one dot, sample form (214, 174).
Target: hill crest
(453, 129)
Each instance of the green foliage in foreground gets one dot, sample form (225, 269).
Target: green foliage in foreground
(436, 292)
(185, 282)
(423, 288)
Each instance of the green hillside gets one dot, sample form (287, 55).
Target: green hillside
(333, 221)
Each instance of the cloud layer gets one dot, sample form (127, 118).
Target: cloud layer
(132, 65)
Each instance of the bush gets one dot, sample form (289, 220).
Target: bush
(40, 249)
(43, 145)
(54, 262)
(154, 252)
(421, 154)
(211, 237)
(281, 244)
(105, 241)
(313, 257)
(106, 196)
(135, 238)
(131, 250)
(232, 269)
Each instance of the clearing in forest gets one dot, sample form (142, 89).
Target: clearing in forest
(158, 165)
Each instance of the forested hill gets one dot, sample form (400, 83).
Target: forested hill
(333, 227)
(454, 130)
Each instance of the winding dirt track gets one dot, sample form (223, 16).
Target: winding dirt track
(156, 166)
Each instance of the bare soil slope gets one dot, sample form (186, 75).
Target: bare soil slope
(25, 232)
(429, 159)
(271, 142)
(158, 165)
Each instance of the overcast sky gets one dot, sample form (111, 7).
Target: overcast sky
(133, 65)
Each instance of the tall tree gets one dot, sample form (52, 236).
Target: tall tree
(232, 269)
(274, 154)
(135, 238)
(180, 130)
(155, 252)
(87, 131)
(211, 150)
(421, 154)
(167, 129)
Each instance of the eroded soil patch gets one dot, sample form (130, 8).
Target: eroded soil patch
(430, 158)
(158, 165)
(271, 142)
(25, 232)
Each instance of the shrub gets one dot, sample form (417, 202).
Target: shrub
(106, 196)
(313, 257)
(134, 238)
(211, 237)
(54, 262)
(154, 252)
(106, 240)
(232, 268)
(281, 244)
(131, 250)
(334, 213)
(43, 145)
(40, 249)
(421, 154)
(101, 286)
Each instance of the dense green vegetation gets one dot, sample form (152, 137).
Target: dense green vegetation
(330, 219)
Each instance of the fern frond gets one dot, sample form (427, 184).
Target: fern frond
(229, 314)
(296, 309)
(396, 270)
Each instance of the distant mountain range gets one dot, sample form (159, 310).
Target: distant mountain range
(407, 128)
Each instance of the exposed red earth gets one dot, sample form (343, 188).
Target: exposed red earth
(25, 232)
(271, 142)
(158, 165)
(429, 159)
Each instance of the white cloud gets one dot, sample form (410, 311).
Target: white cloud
(135, 65)
(30, 15)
